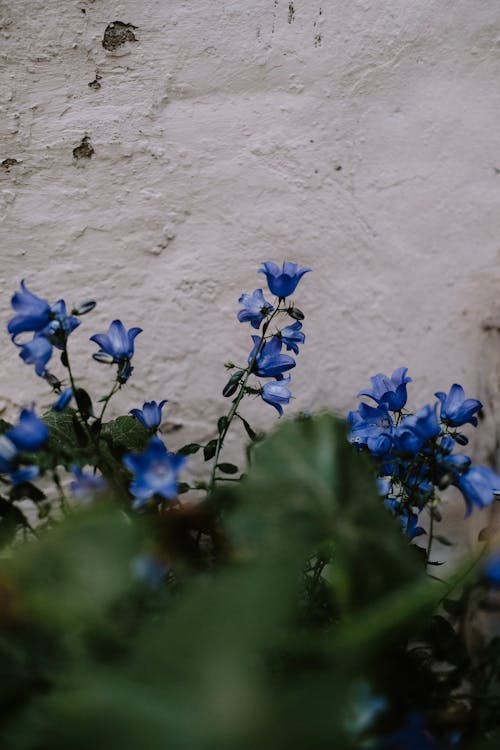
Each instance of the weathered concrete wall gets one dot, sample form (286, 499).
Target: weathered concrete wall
(154, 153)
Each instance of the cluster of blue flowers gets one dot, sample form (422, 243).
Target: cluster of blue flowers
(50, 325)
(155, 471)
(265, 359)
(414, 452)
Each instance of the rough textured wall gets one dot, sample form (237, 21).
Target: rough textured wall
(154, 153)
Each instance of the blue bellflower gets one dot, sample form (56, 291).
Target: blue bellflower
(292, 336)
(270, 363)
(86, 485)
(389, 391)
(63, 399)
(60, 326)
(424, 422)
(478, 485)
(368, 423)
(117, 345)
(30, 432)
(156, 472)
(282, 282)
(276, 393)
(33, 313)
(255, 308)
(36, 352)
(457, 410)
(491, 569)
(150, 414)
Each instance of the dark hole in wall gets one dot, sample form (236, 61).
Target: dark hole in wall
(117, 33)
(84, 150)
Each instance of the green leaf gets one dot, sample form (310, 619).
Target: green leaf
(126, 434)
(228, 468)
(84, 403)
(232, 384)
(189, 449)
(443, 540)
(221, 424)
(251, 433)
(210, 449)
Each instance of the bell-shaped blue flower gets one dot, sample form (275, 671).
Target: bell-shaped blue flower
(368, 422)
(282, 282)
(36, 352)
(407, 441)
(478, 485)
(150, 414)
(86, 485)
(491, 569)
(270, 363)
(63, 400)
(156, 471)
(389, 391)
(255, 308)
(117, 343)
(409, 525)
(457, 410)
(33, 313)
(424, 422)
(276, 393)
(61, 325)
(292, 336)
(30, 433)
(24, 474)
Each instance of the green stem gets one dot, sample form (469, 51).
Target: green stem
(431, 533)
(241, 393)
(107, 399)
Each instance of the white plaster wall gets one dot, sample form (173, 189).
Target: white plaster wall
(360, 138)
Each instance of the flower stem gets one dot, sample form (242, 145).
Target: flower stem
(234, 408)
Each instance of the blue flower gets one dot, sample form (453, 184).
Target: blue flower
(36, 352)
(270, 363)
(63, 400)
(478, 485)
(368, 422)
(407, 441)
(117, 345)
(292, 336)
(33, 313)
(389, 391)
(150, 415)
(424, 422)
(276, 393)
(457, 410)
(26, 474)
(491, 569)
(283, 282)
(409, 525)
(255, 308)
(60, 326)
(85, 484)
(156, 472)
(30, 432)
(413, 736)
(149, 570)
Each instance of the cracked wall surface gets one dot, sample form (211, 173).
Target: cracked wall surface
(154, 153)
